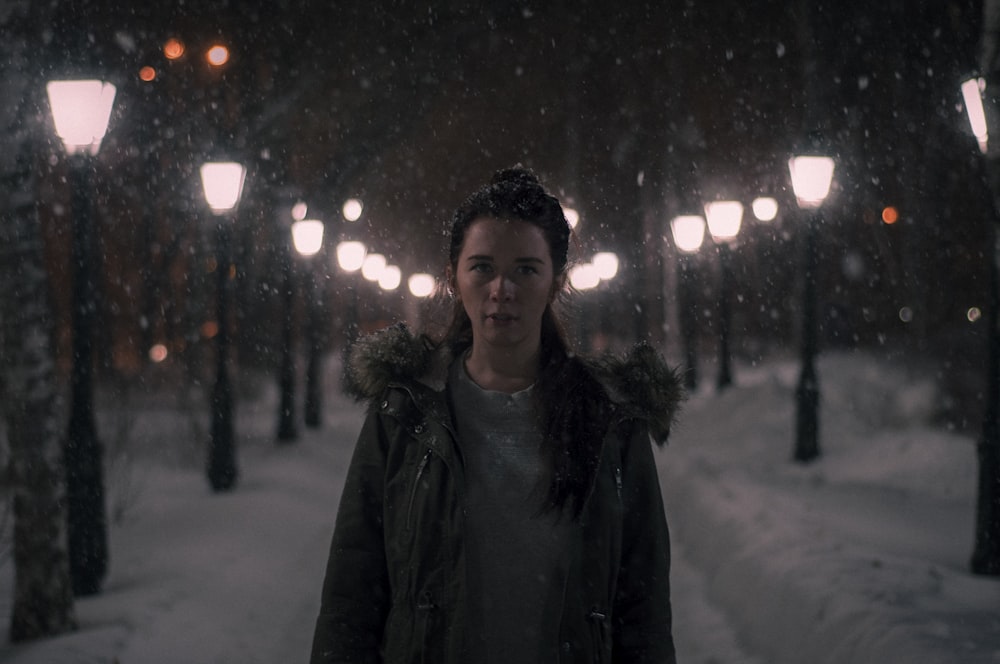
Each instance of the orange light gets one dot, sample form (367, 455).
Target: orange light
(217, 56)
(209, 329)
(147, 73)
(890, 215)
(173, 49)
(158, 353)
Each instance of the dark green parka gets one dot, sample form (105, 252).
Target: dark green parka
(395, 580)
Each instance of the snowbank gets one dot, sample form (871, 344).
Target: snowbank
(860, 557)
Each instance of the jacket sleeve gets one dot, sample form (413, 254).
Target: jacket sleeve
(356, 595)
(642, 613)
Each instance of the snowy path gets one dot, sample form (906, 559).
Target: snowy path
(235, 578)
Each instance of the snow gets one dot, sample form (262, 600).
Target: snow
(859, 557)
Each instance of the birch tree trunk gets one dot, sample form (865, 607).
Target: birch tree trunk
(43, 599)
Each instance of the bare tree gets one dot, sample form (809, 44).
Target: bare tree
(43, 599)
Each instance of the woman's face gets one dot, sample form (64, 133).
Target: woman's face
(504, 278)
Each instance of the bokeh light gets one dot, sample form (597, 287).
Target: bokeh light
(158, 353)
(217, 55)
(173, 49)
(352, 209)
(421, 284)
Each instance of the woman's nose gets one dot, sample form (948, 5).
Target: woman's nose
(502, 289)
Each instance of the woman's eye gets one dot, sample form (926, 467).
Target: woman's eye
(527, 269)
(481, 267)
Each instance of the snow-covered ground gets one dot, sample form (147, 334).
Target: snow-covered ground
(859, 557)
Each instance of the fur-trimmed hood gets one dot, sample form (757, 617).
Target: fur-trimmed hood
(640, 383)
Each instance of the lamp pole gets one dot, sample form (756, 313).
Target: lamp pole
(688, 232)
(307, 235)
(223, 185)
(811, 178)
(287, 431)
(351, 257)
(80, 112)
(724, 219)
(986, 551)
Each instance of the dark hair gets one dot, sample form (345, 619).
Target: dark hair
(571, 402)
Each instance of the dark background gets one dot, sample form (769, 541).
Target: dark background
(631, 111)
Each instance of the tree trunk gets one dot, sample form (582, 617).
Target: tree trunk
(43, 599)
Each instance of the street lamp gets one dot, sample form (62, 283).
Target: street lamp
(307, 235)
(351, 257)
(986, 553)
(811, 177)
(80, 112)
(222, 183)
(287, 430)
(724, 219)
(688, 232)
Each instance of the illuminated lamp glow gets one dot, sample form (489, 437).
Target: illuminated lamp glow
(222, 182)
(217, 55)
(352, 209)
(421, 284)
(606, 264)
(307, 236)
(372, 268)
(158, 353)
(811, 179)
(572, 216)
(351, 255)
(80, 112)
(584, 277)
(390, 278)
(764, 208)
(972, 94)
(724, 219)
(173, 49)
(688, 231)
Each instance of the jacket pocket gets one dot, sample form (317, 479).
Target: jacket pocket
(413, 491)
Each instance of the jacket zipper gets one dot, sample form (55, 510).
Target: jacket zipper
(618, 481)
(425, 605)
(597, 618)
(413, 491)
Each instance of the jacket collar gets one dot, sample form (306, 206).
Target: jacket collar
(639, 383)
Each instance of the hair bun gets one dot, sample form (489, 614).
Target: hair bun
(518, 176)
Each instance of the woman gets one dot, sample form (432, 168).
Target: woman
(502, 504)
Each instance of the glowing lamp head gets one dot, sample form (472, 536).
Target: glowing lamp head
(81, 111)
(307, 236)
(351, 255)
(724, 220)
(688, 231)
(222, 182)
(421, 284)
(811, 179)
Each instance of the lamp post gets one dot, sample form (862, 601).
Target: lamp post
(223, 184)
(986, 552)
(352, 256)
(287, 430)
(811, 177)
(688, 232)
(602, 267)
(80, 112)
(724, 219)
(308, 238)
